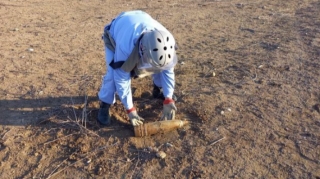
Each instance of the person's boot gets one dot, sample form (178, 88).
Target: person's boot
(157, 93)
(103, 114)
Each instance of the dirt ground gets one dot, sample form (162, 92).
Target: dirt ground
(248, 79)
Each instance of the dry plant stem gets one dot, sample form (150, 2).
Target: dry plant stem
(84, 117)
(5, 133)
(84, 112)
(81, 127)
(255, 71)
(74, 112)
(217, 141)
(139, 150)
(51, 174)
(208, 3)
(84, 157)
(58, 139)
(101, 148)
(135, 165)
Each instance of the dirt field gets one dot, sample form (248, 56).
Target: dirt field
(248, 79)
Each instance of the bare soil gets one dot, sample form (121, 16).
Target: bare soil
(248, 79)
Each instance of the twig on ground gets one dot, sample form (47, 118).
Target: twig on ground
(208, 3)
(84, 157)
(135, 165)
(48, 131)
(216, 141)
(102, 148)
(255, 71)
(57, 139)
(84, 117)
(139, 150)
(51, 174)
(84, 112)
(81, 127)
(5, 133)
(74, 112)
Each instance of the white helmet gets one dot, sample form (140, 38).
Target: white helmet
(158, 49)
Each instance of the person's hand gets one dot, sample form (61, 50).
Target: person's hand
(169, 109)
(135, 119)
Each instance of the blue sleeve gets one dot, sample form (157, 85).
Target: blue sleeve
(123, 85)
(167, 82)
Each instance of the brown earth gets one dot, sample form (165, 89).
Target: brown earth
(265, 57)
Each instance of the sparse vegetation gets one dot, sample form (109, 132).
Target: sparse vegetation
(248, 73)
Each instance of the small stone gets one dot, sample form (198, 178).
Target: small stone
(169, 145)
(161, 154)
(229, 109)
(152, 149)
(40, 92)
(260, 66)
(15, 29)
(239, 5)
(30, 49)
(213, 74)
(182, 63)
(88, 161)
(222, 112)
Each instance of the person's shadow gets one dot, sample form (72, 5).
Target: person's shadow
(71, 112)
(24, 112)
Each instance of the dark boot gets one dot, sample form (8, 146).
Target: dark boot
(157, 93)
(103, 114)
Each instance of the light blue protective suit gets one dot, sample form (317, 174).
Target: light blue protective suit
(125, 29)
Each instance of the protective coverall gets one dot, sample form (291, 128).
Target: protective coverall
(126, 29)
